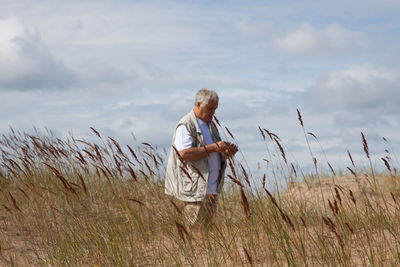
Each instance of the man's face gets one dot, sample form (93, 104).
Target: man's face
(206, 112)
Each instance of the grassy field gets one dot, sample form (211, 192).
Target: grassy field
(74, 203)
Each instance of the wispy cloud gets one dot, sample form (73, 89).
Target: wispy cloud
(334, 39)
(372, 91)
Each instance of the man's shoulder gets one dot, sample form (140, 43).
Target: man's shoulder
(186, 119)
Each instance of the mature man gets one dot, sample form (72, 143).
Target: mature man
(197, 161)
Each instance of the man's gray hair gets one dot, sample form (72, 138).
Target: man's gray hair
(205, 95)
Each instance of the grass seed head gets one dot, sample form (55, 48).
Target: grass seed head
(300, 119)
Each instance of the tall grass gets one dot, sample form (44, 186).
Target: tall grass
(73, 202)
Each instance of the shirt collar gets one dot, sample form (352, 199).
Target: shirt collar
(200, 122)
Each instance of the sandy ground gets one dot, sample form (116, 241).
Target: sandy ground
(317, 192)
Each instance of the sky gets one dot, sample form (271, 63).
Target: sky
(127, 67)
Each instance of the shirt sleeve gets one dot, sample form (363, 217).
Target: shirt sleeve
(183, 139)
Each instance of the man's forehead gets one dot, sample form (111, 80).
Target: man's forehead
(212, 102)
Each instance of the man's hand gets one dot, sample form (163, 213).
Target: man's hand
(226, 147)
(231, 151)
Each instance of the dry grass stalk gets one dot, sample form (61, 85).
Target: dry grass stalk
(351, 159)
(366, 150)
(83, 184)
(271, 135)
(61, 178)
(144, 175)
(303, 222)
(313, 135)
(263, 180)
(217, 121)
(352, 172)
(331, 225)
(182, 231)
(147, 144)
(334, 207)
(81, 158)
(245, 203)
(262, 133)
(197, 171)
(14, 202)
(249, 259)
(365, 145)
(117, 146)
(235, 180)
(387, 165)
(283, 215)
(149, 168)
(293, 169)
(353, 199)
(179, 156)
(137, 201)
(337, 195)
(176, 207)
(133, 153)
(231, 166)
(186, 173)
(155, 161)
(281, 149)
(349, 227)
(132, 173)
(229, 132)
(96, 132)
(23, 192)
(299, 117)
(332, 170)
(394, 199)
(246, 177)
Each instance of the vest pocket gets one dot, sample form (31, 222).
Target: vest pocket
(189, 185)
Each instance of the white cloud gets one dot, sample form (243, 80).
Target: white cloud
(375, 91)
(25, 62)
(343, 103)
(308, 40)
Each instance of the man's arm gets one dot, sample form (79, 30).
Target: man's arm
(183, 144)
(196, 153)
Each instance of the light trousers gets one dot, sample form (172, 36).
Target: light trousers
(202, 211)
